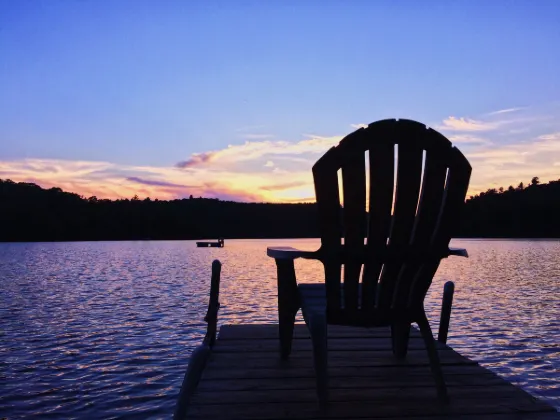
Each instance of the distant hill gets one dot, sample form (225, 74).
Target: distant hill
(31, 213)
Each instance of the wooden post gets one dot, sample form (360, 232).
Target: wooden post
(446, 304)
(213, 305)
(200, 355)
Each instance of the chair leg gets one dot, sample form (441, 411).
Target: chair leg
(433, 356)
(400, 333)
(318, 329)
(286, 332)
(288, 305)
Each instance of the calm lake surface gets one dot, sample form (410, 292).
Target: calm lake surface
(105, 329)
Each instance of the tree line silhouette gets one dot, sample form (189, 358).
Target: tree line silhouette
(31, 213)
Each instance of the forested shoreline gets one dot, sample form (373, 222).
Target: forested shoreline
(31, 213)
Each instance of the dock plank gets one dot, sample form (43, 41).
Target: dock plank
(304, 359)
(264, 331)
(362, 382)
(365, 409)
(245, 378)
(347, 344)
(392, 394)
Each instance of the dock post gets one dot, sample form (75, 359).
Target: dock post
(201, 354)
(447, 302)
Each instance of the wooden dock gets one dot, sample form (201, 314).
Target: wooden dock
(244, 378)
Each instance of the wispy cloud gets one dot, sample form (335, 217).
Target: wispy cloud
(506, 111)
(254, 150)
(466, 124)
(284, 186)
(496, 121)
(195, 160)
(468, 139)
(155, 183)
(357, 126)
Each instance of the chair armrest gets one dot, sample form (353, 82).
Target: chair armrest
(460, 252)
(289, 253)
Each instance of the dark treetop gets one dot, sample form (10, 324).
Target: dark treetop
(31, 213)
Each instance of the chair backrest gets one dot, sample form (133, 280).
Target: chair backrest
(407, 225)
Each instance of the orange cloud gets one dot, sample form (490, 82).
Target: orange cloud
(284, 186)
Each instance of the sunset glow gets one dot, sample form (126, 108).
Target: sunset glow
(178, 99)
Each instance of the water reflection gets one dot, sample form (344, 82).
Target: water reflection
(102, 330)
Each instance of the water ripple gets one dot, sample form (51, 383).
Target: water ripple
(105, 329)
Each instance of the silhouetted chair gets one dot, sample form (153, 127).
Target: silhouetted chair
(406, 240)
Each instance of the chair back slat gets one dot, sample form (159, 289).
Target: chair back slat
(456, 186)
(354, 209)
(409, 172)
(437, 149)
(381, 171)
(454, 197)
(325, 176)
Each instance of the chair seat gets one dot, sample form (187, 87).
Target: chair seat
(313, 301)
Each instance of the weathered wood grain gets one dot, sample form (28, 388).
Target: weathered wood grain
(397, 408)
(263, 331)
(252, 382)
(477, 378)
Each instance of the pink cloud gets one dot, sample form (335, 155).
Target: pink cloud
(196, 160)
(155, 183)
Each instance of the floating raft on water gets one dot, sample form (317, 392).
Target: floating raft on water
(244, 378)
(218, 244)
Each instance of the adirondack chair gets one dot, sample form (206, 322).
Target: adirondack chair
(406, 240)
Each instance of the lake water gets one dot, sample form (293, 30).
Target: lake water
(105, 329)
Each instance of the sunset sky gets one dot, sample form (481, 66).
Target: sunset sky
(238, 99)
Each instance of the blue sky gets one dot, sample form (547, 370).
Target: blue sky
(106, 97)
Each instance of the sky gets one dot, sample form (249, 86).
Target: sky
(237, 99)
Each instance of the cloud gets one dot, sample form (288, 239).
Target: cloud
(553, 137)
(467, 139)
(466, 124)
(494, 122)
(503, 165)
(506, 111)
(285, 186)
(107, 180)
(155, 183)
(195, 160)
(268, 170)
(253, 150)
(358, 126)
